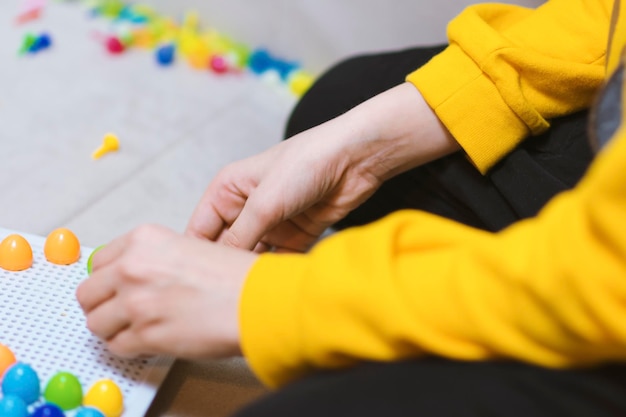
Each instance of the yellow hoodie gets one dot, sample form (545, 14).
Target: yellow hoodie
(549, 290)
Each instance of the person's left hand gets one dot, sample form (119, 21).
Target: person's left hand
(154, 291)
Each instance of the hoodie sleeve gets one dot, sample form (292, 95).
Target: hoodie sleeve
(509, 69)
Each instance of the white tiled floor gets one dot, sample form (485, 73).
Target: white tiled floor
(177, 128)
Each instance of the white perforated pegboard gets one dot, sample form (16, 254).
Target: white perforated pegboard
(42, 323)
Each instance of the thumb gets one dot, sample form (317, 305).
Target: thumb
(254, 221)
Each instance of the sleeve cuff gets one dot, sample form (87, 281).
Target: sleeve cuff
(470, 106)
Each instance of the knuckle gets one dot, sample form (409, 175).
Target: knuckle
(140, 306)
(233, 168)
(128, 269)
(144, 232)
(121, 349)
(148, 338)
(91, 325)
(263, 211)
(230, 239)
(226, 174)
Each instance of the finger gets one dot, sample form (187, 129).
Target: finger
(262, 247)
(109, 252)
(95, 290)
(318, 218)
(139, 340)
(205, 222)
(108, 319)
(220, 204)
(299, 233)
(253, 223)
(126, 344)
(290, 237)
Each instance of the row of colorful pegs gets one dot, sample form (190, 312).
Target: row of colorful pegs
(140, 26)
(21, 391)
(32, 43)
(61, 247)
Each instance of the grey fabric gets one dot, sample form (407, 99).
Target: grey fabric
(606, 114)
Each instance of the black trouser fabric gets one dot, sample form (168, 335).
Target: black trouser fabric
(516, 188)
(440, 388)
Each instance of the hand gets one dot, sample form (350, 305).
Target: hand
(153, 291)
(287, 196)
(284, 197)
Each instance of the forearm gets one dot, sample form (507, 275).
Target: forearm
(395, 131)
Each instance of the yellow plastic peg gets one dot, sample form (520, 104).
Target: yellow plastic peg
(110, 143)
(191, 20)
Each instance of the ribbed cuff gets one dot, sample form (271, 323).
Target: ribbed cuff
(470, 106)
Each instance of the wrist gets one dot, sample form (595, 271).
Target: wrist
(396, 131)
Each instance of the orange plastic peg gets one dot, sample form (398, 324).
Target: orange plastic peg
(15, 253)
(62, 247)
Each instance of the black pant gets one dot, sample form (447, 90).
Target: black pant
(438, 388)
(516, 188)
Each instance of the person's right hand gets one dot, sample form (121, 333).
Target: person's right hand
(286, 197)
